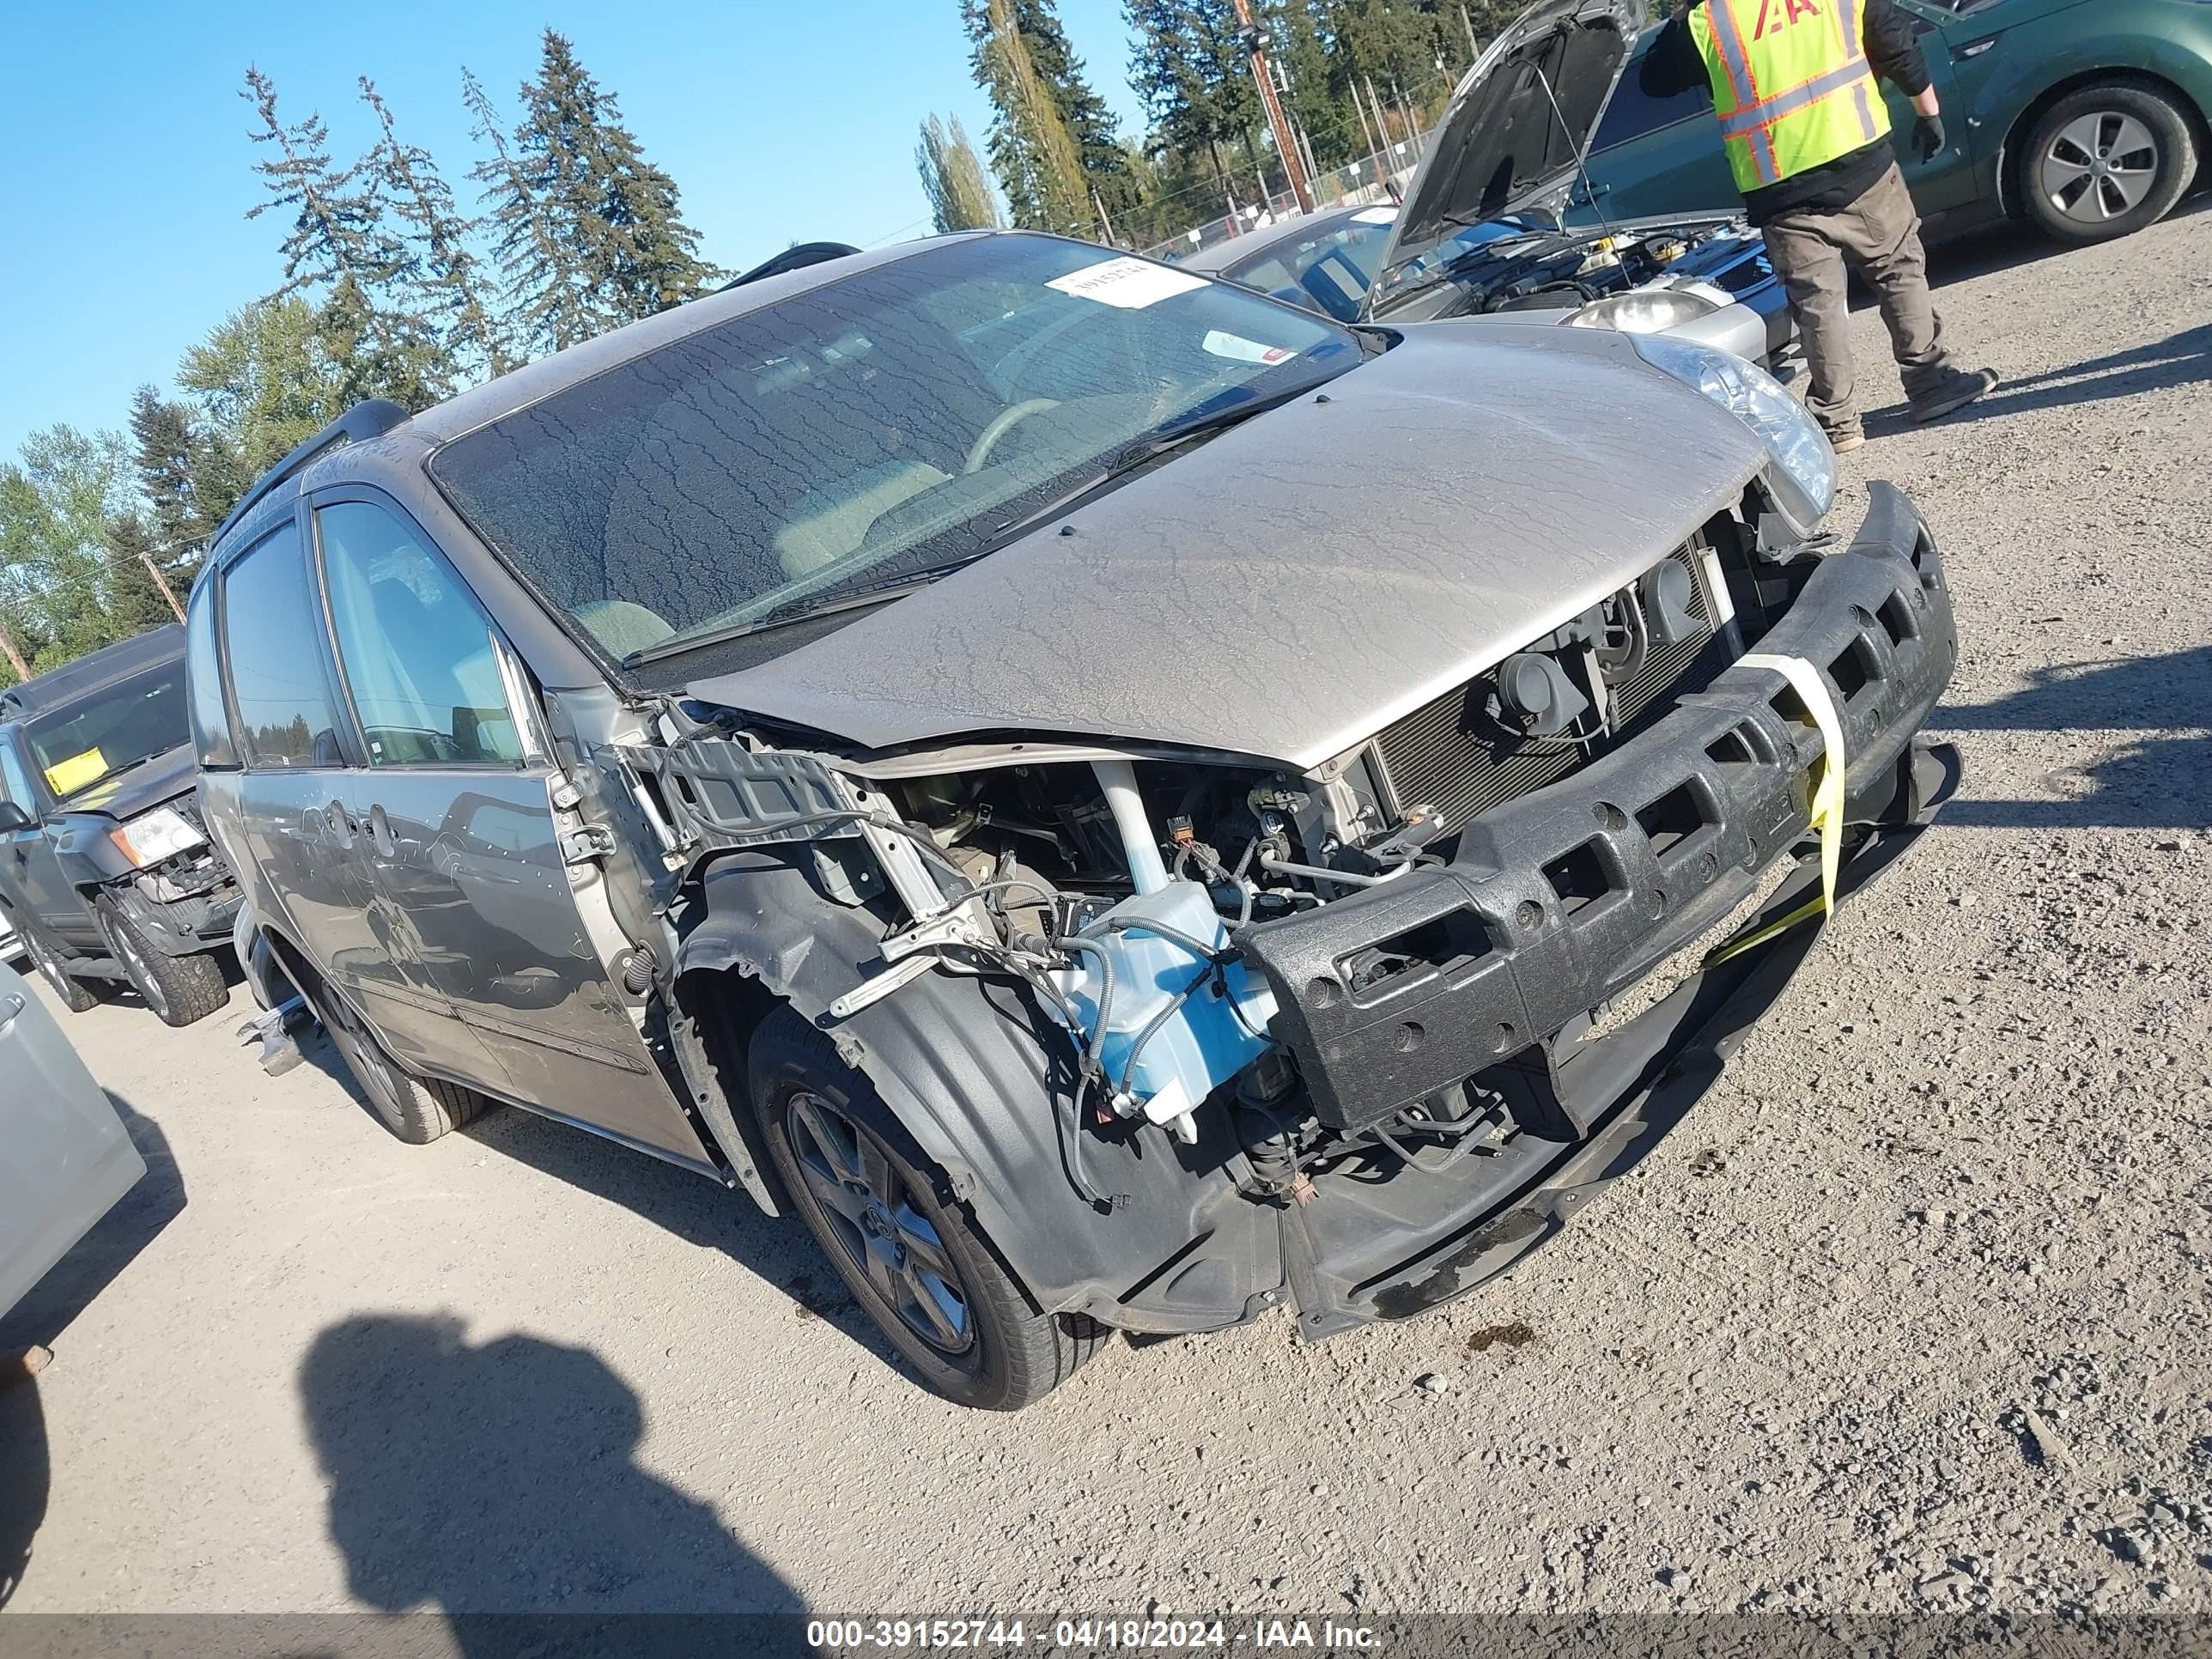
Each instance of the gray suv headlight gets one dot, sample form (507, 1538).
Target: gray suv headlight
(1803, 476)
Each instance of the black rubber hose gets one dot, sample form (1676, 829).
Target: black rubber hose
(1093, 1059)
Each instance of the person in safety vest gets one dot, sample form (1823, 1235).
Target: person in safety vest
(1808, 137)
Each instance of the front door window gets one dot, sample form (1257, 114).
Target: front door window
(417, 648)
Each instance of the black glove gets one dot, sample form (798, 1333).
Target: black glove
(1927, 137)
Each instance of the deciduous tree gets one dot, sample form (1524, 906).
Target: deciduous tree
(952, 178)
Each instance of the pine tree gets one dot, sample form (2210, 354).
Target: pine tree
(615, 214)
(448, 276)
(339, 241)
(1037, 158)
(541, 273)
(1195, 78)
(952, 178)
(1105, 164)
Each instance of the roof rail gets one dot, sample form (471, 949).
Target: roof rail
(797, 256)
(372, 417)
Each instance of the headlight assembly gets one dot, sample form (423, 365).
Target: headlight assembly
(1803, 476)
(1649, 311)
(152, 836)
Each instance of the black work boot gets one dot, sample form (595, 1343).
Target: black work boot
(1958, 389)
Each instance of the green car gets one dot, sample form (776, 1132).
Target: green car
(2087, 117)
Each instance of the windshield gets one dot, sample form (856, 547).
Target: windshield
(1329, 270)
(110, 731)
(860, 433)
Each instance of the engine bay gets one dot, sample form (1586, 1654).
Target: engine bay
(1116, 887)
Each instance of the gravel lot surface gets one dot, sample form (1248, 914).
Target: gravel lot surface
(1911, 1314)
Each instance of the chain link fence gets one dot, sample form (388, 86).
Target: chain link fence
(1371, 180)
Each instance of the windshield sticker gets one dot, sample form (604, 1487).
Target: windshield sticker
(78, 770)
(1130, 284)
(1375, 216)
(1239, 350)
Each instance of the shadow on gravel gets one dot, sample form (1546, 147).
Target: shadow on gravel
(48, 1310)
(2177, 360)
(2160, 780)
(1984, 249)
(777, 1249)
(501, 1479)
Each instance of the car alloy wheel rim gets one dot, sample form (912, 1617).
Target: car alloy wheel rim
(2100, 165)
(50, 967)
(874, 1220)
(362, 1050)
(141, 977)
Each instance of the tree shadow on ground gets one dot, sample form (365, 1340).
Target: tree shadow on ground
(2162, 780)
(500, 1479)
(46, 1313)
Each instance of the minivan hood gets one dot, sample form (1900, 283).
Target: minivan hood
(1501, 145)
(168, 774)
(1292, 585)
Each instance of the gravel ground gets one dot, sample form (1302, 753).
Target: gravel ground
(1911, 1314)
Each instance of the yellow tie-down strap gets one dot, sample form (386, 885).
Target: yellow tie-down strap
(1827, 799)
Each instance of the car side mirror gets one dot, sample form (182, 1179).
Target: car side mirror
(13, 817)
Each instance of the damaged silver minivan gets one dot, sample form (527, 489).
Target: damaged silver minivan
(1125, 804)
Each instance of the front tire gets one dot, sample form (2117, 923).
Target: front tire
(889, 1223)
(181, 990)
(2105, 162)
(75, 995)
(418, 1110)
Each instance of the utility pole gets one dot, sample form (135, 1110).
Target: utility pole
(1105, 223)
(1474, 46)
(1286, 146)
(15, 657)
(161, 582)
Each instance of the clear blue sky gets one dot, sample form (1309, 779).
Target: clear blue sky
(127, 158)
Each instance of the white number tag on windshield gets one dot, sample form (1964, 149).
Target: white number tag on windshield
(1131, 284)
(1237, 349)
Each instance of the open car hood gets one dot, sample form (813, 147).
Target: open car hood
(1290, 587)
(1503, 141)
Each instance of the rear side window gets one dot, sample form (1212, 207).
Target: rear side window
(276, 678)
(204, 684)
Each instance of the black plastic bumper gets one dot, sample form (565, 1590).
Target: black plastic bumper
(185, 926)
(1557, 901)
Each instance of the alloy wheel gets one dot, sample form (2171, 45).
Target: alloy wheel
(874, 1219)
(47, 966)
(134, 963)
(2100, 165)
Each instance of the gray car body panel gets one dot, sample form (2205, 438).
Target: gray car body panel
(1291, 587)
(65, 1159)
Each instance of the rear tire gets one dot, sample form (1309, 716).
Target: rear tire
(181, 990)
(2105, 162)
(75, 995)
(904, 1246)
(418, 1110)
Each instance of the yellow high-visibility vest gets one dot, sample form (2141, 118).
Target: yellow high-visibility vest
(1791, 82)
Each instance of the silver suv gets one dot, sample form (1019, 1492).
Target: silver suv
(1125, 804)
